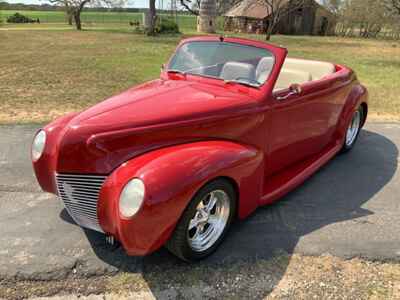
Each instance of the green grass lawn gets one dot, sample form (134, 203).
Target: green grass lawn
(52, 70)
(185, 22)
(59, 16)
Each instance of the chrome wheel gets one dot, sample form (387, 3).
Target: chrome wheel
(353, 129)
(209, 221)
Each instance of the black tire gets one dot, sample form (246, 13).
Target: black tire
(178, 244)
(349, 146)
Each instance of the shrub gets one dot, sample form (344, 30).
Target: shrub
(167, 25)
(163, 25)
(19, 18)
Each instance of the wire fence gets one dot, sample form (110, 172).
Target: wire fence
(356, 30)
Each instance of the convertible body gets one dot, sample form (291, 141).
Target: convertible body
(179, 132)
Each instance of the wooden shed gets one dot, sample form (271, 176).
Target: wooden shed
(252, 16)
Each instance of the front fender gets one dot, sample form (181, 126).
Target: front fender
(172, 176)
(45, 167)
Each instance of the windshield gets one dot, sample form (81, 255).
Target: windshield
(227, 61)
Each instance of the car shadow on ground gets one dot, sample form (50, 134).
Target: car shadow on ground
(335, 194)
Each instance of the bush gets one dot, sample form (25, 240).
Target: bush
(18, 18)
(167, 26)
(163, 25)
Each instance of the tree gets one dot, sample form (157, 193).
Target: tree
(278, 9)
(393, 6)
(367, 17)
(69, 13)
(75, 7)
(191, 6)
(153, 17)
(333, 5)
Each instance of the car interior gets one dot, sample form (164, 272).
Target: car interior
(301, 71)
(294, 70)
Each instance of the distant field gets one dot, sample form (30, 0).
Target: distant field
(59, 16)
(50, 69)
(184, 21)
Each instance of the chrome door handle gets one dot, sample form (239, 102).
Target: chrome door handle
(294, 89)
(287, 96)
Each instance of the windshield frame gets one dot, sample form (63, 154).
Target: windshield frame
(168, 69)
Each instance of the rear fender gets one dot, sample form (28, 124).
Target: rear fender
(172, 176)
(358, 96)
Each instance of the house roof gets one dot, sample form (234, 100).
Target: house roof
(256, 9)
(249, 8)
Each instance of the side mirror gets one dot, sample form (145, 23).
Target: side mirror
(162, 67)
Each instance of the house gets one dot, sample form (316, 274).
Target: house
(252, 16)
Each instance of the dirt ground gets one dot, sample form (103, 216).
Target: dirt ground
(324, 277)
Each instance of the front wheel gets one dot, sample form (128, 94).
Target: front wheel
(204, 222)
(353, 130)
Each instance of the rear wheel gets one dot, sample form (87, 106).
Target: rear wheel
(204, 222)
(353, 130)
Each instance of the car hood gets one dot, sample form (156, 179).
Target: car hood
(150, 116)
(158, 102)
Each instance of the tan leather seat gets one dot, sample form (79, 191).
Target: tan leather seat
(317, 69)
(301, 71)
(288, 77)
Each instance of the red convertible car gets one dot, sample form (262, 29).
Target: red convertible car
(230, 125)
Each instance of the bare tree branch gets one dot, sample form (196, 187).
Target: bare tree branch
(188, 5)
(75, 7)
(396, 5)
(193, 6)
(278, 9)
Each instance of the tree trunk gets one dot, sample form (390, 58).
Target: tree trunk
(77, 17)
(152, 7)
(269, 33)
(273, 21)
(69, 18)
(68, 13)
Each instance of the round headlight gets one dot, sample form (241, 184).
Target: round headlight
(38, 145)
(131, 198)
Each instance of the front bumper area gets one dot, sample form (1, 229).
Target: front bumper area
(152, 225)
(79, 194)
(92, 200)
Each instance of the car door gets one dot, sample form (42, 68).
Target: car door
(301, 125)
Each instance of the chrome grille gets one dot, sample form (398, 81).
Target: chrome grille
(80, 194)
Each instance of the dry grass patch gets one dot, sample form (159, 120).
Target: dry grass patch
(46, 73)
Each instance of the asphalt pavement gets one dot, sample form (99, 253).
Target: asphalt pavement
(350, 208)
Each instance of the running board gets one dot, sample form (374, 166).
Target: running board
(290, 178)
